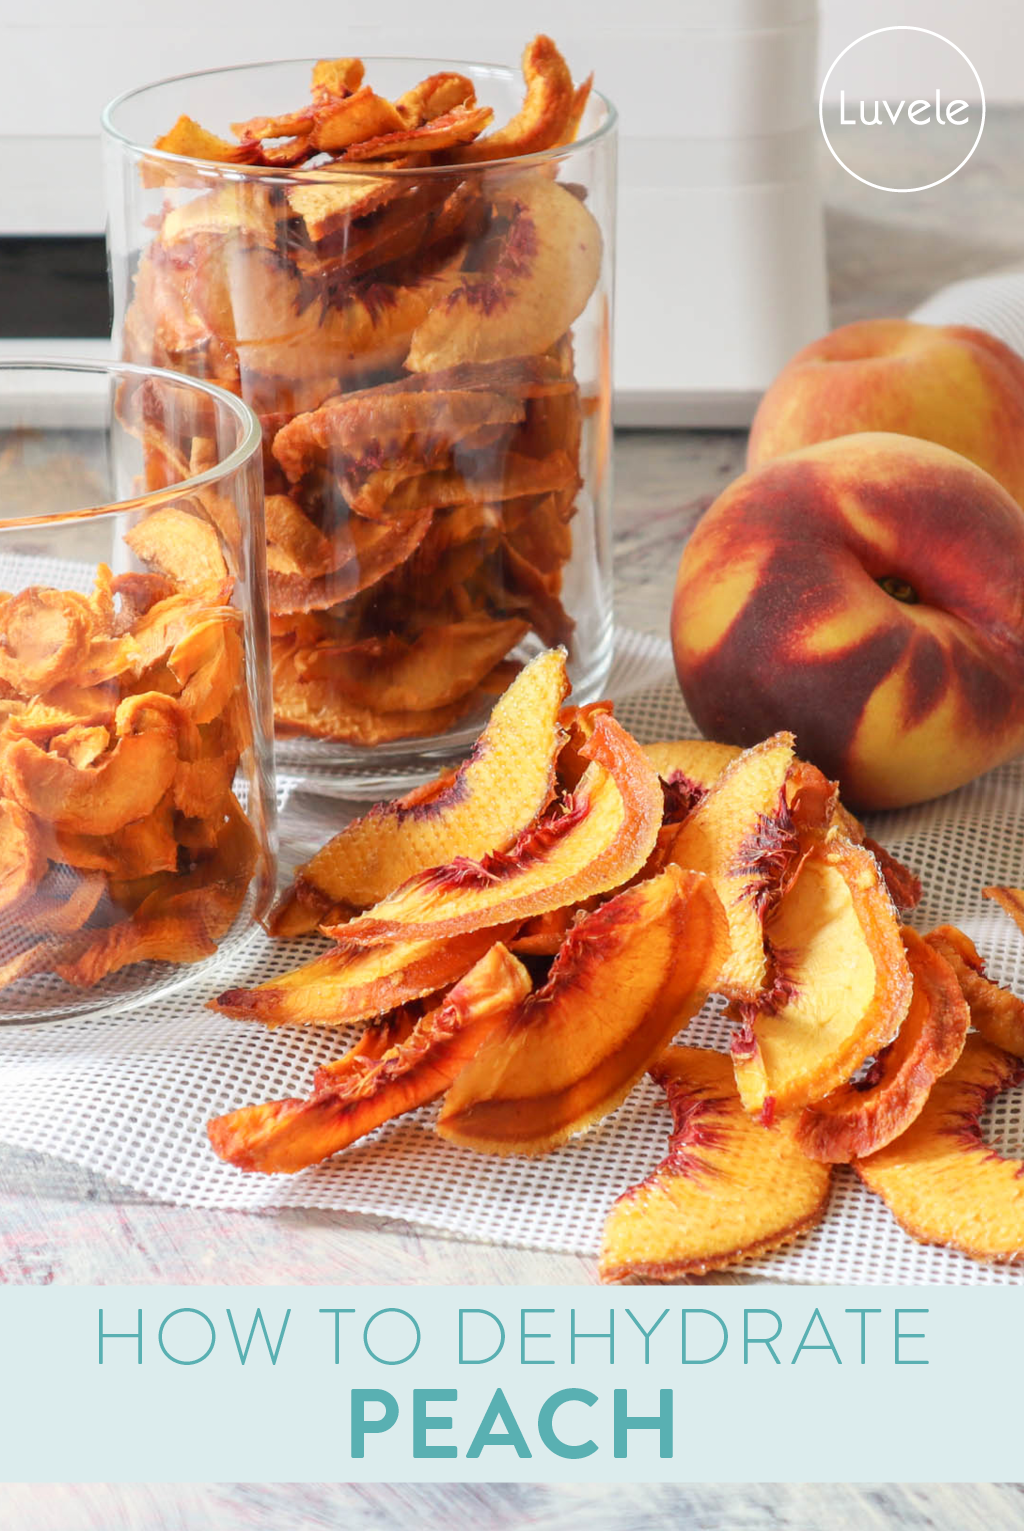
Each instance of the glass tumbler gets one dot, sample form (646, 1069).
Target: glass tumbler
(137, 809)
(427, 347)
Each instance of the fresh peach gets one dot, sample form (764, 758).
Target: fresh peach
(957, 386)
(866, 594)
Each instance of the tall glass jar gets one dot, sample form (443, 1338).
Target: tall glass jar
(427, 346)
(137, 809)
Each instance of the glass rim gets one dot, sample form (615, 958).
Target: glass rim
(336, 168)
(247, 448)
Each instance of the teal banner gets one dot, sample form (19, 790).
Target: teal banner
(495, 1384)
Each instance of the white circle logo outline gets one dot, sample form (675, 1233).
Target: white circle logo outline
(899, 190)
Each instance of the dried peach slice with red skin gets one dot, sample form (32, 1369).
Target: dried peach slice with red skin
(904, 885)
(860, 1118)
(996, 1012)
(741, 834)
(627, 977)
(285, 1136)
(840, 983)
(590, 843)
(506, 782)
(460, 125)
(727, 1190)
(1010, 900)
(347, 985)
(380, 1036)
(941, 1180)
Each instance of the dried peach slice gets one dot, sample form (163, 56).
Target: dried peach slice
(940, 1179)
(207, 663)
(284, 1136)
(147, 845)
(432, 97)
(336, 77)
(591, 842)
(996, 1012)
(1010, 900)
(125, 785)
(206, 769)
(740, 834)
(438, 488)
(861, 1117)
(626, 979)
(700, 761)
(460, 125)
(727, 1190)
(380, 1036)
(343, 121)
(348, 985)
(185, 549)
(547, 114)
(541, 278)
(439, 666)
(328, 206)
(840, 988)
(506, 782)
(366, 551)
(291, 531)
(176, 938)
(307, 704)
(371, 427)
(22, 857)
(47, 913)
(42, 635)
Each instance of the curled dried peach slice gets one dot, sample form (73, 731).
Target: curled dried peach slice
(439, 666)
(343, 121)
(1010, 900)
(185, 549)
(42, 635)
(460, 125)
(365, 551)
(941, 1180)
(145, 846)
(207, 663)
(22, 857)
(741, 834)
(727, 1190)
(176, 938)
(626, 979)
(861, 1117)
(63, 707)
(432, 97)
(287, 1135)
(506, 782)
(996, 1012)
(840, 983)
(547, 114)
(126, 784)
(355, 984)
(545, 268)
(591, 842)
(336, 77)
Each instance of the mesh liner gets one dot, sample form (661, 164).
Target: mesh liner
(129, 1096)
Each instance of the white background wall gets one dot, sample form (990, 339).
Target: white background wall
(62, 59)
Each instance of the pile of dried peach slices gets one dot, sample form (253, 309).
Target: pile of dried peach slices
(523, 938)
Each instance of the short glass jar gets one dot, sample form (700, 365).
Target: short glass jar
(137, 808)
(427, 346)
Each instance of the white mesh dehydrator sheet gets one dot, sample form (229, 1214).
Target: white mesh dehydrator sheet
(129, 1096)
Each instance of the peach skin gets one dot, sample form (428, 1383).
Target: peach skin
(950, 384)
(867, 594)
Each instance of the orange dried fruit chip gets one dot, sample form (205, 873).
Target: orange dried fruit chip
(185, 549)
(460, 125)
(543, 272)
(22, 857)
(294, 535)
(192, 141)
(627, 978)
(347, 985)
(47, 913)
(126, 784)
(589, 843)
(329, 205)
(996, 1012)
(840, 988)
(941, 1180)
(342, 121)
(207, 663)
(727, 1190)
(42, 635)
(862, 1117)
(432, 97)
(176, 938)
(506, 782)
(439, 666)
(285, 1136)
(741, 835)
(549, 114)
(1010, 900)
(336, 76)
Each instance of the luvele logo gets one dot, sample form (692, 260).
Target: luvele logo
(900, 103)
